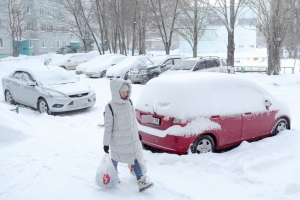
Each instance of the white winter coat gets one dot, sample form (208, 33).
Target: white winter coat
(121, 132)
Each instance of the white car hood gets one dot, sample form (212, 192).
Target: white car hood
(69, 88)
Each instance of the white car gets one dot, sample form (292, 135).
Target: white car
(98, 70)
(71, 61)
(80, 69)
(49, 89)
(121, 69)
(202, 64)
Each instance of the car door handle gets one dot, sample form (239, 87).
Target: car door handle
(248, 113)
(215, 116)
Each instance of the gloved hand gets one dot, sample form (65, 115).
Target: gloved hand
(106, 149)
(140, 136)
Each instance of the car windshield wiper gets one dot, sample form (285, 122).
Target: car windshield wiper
(150, 61)
(143, 61)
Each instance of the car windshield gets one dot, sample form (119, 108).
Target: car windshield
(157, 59)
(54, 77)
(184, 65)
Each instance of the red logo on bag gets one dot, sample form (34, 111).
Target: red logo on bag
(106, 179)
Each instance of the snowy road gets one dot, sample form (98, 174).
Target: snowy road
(60, 159)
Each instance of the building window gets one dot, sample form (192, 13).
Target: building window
(27, 10)
(64, 43)
(41, 11)
(58, 43)
(51, 43)
(0, 23)
(50, 13)
(44, 27)
(30, 44)
(44, 44)
(29, 26)
(1, 43)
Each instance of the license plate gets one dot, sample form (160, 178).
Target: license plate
(155, 121)
(81, 102)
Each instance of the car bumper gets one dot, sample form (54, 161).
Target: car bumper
(92, 74)
(63, 105)
(138, 77)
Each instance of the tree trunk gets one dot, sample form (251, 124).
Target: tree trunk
(195, 48)
(230, 30)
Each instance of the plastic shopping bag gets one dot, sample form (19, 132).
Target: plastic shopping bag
(143, 166)
(107, 175)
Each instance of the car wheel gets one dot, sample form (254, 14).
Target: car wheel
(203, 144)
(126, 76)
(154, 75)
(9, 97)
(63, 67)
(103, 74)
(43, 106)
(281, 125)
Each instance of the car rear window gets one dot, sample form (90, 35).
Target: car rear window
(184, 65)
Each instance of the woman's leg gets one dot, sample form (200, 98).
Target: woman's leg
(115, 163)
(137, 170)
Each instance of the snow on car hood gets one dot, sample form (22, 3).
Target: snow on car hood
(205, 94)
(69, 88)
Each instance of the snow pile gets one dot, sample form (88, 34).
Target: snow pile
(206, 94)
(12, 126)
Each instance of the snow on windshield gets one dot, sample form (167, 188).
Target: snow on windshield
(184, 65)
(54, 77)
(204, 94)
(156, 59)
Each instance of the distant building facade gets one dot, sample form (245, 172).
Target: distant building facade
(215, 38)
(44, 25)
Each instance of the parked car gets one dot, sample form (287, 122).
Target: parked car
(121, 69)
(48, 89)
(207, 112)
(58, 54)
(98, 70)
(81, 68)
(66, 50)
(71, 61)
(153, 67)
(202, 64)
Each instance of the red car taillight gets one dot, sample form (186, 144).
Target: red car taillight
(179, 122)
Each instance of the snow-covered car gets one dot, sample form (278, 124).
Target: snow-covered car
(207, 112)
(98, 70)
(202, 64)
(48, 89)
(80, 69)
(153, 67)
(71, 61)
(52, 56)
(121, 69)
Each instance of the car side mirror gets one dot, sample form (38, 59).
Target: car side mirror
(163, 65)
(196, 68)
(113, 64)
(267, 104)
(32, 84)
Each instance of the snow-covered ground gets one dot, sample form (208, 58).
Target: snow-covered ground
(56, 157)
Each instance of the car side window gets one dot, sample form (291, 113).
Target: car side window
(176, 60)
(218, 62)
(27, 77)
(169, 62)
(200, 65)
(18, 75)
(211, 63)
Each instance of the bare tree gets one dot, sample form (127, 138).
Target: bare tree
(228, 11)
(14, 22)
(275, 16)
(192, 22)
(165, 13)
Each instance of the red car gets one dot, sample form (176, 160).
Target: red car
(207, 112)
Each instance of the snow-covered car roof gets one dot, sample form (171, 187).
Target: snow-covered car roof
(49, 75)
(205, 94)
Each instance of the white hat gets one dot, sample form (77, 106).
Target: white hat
(124, 87)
